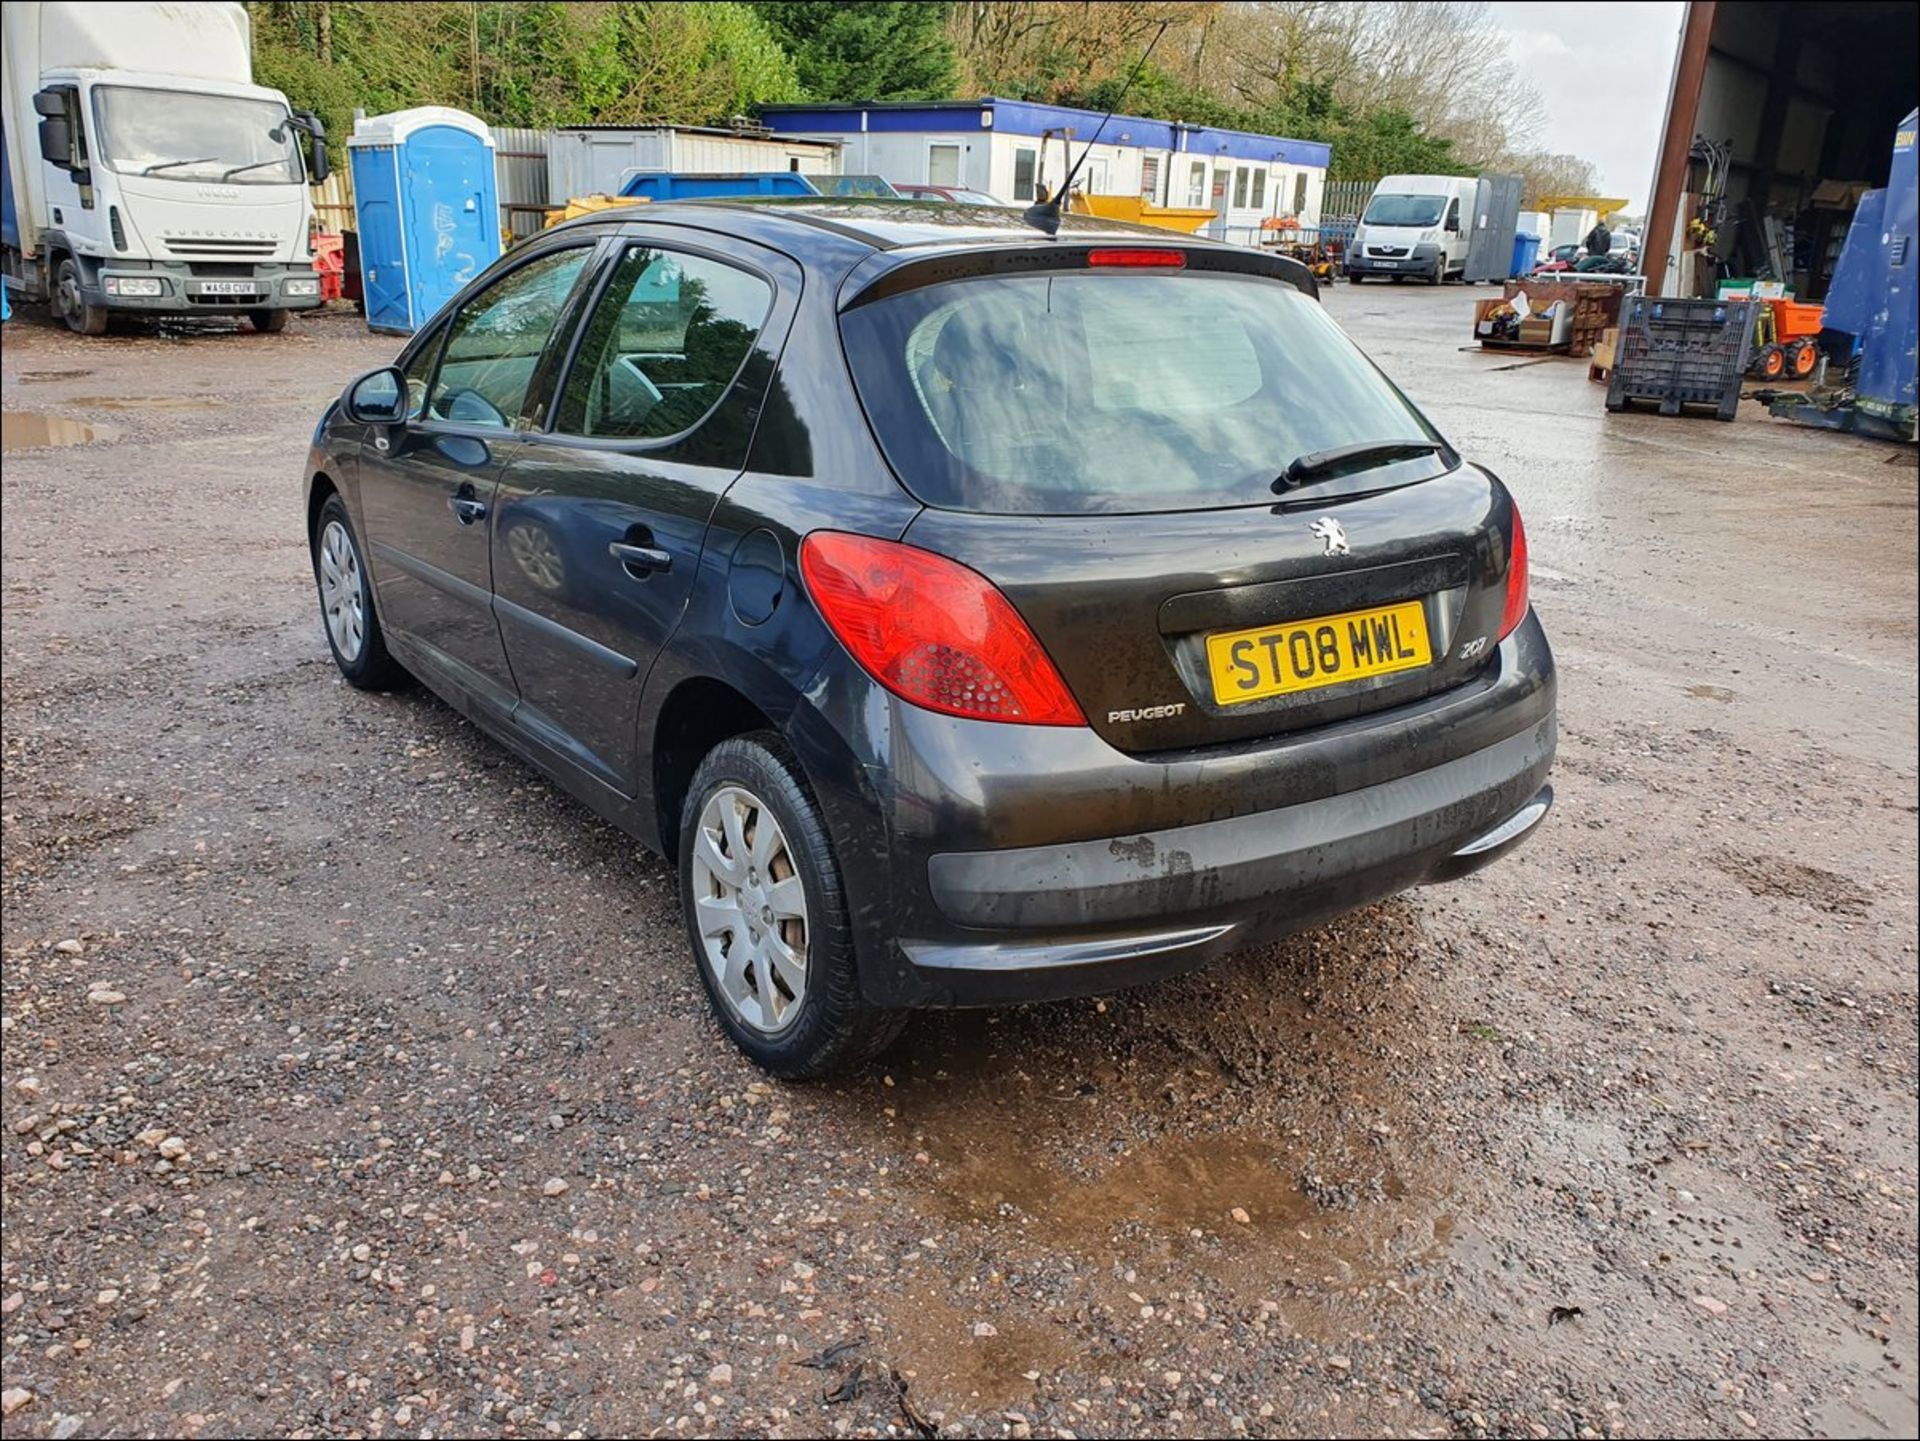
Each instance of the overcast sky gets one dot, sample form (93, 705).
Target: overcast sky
(1602, 71)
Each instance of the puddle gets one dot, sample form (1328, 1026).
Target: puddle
(41, 377)
(23, 430)
(954, 1352)
(137, 402)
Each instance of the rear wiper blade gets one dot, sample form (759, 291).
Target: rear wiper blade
(1345, 457)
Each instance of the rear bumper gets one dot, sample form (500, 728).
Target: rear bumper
(1187, 895)
(1015, 863)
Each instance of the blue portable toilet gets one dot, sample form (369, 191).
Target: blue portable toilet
(426, 208)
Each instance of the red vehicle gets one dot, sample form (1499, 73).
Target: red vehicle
(950, 194)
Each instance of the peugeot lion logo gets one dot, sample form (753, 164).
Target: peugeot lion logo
(1333, 533)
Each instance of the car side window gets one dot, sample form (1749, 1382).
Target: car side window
(665, 341)
(495, 343)
(419, 373)
(1453, 215)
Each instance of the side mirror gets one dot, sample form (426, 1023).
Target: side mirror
(320, 168)
(49, 102)
(378, 398)
(56, 141)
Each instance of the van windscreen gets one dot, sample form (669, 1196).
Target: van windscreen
(1407, 210)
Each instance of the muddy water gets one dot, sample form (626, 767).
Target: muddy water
(24, 430)
(140, 402)
(1224, 1147)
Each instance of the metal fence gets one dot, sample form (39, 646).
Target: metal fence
(520, 177)
(1340, 208)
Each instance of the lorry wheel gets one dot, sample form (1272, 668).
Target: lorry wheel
(71, 303)
(268, 322)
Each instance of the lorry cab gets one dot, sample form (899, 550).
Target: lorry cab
(1415, 225)
(171, 184)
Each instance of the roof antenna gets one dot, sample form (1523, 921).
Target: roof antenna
(1044, 215)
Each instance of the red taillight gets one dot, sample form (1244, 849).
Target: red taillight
(932, 631)
(1137, 259)
(1516, 607)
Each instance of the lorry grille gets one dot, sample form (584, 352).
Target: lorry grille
(195, 245)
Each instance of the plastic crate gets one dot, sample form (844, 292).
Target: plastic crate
(1681, 352)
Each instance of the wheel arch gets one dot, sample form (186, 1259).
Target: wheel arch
(699, 713)
(319, 487)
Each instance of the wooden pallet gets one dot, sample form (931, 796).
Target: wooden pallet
(1600, 370)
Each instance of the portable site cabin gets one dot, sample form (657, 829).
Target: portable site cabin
(426, 209)
(600, 159)
(1012, 148)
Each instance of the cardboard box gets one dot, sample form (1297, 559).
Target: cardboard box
(1553, 327)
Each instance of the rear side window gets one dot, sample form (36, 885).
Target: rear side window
(496, 341)
(1083, 391)
(666, 339)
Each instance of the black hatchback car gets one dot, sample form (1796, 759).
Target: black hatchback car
(971, 616)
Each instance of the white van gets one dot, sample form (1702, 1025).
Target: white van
(1414, 225)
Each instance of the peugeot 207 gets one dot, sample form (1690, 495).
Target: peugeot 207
(971, 615)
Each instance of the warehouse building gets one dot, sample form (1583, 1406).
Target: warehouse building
(1779, 116)
(1012, 148)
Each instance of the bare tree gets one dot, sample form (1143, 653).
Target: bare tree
(1549, 174)
(1051, 47)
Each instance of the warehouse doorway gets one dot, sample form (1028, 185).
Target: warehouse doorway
(1779, 115)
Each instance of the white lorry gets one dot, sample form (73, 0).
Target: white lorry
(145, 171)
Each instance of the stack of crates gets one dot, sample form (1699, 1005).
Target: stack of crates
(1681, 352)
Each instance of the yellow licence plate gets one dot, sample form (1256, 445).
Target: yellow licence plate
(1302, 655)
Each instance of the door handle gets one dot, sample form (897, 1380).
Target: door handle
(466, 509)
(640, 561)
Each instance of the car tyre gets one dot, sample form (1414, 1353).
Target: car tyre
(268, 322)
(71, 302)
(346, 603)
(824, 1024)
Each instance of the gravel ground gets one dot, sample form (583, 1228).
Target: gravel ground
(356, 1082)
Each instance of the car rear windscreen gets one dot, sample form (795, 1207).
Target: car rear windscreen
(1073, 392)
